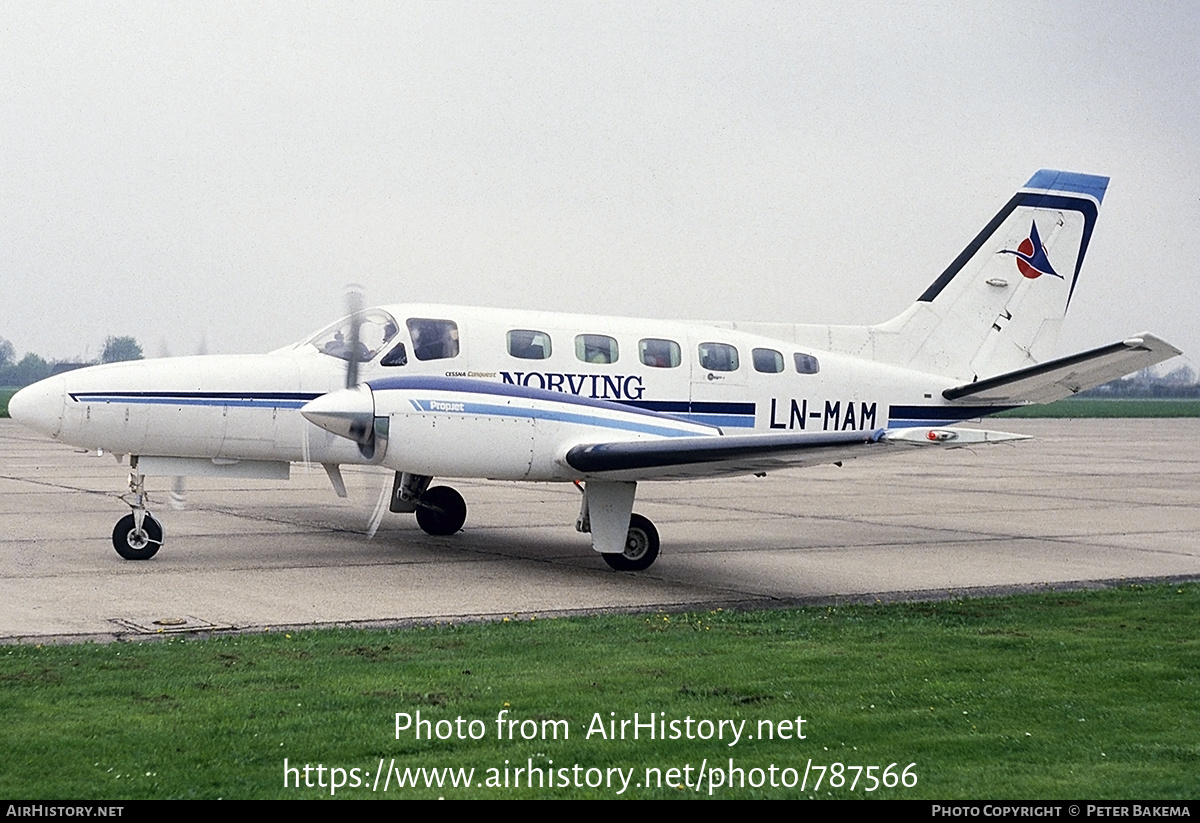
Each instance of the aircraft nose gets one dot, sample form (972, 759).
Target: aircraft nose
(348, 413)
(40, 406)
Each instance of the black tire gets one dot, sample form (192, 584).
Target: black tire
(641, 547)
(441, 511)
(134, 546)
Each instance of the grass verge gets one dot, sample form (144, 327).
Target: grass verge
(1077, 695)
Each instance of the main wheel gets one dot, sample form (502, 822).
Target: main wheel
(134, 544)
(641, 547)
(441, 511)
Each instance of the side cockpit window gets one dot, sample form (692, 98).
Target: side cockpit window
(398, 356)
(528, 345)
(433, 339)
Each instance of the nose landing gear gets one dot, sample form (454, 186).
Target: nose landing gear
(138, 534)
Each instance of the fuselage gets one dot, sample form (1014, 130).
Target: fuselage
(247, 407)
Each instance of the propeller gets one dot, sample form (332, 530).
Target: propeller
(351, 413)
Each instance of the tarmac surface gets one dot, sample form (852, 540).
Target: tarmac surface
(1089, 502)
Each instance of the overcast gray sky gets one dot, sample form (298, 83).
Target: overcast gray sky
(219, 171)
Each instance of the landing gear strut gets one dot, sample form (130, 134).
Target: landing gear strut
(137, 535)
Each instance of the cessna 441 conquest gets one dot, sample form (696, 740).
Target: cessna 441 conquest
(440, 391)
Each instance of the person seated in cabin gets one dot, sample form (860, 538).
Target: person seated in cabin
(337, 346)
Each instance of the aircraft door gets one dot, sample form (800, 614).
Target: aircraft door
(718, 382)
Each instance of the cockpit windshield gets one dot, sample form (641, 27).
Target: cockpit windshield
(376, 329)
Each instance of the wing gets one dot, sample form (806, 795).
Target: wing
(1064, 376)
(681, 458)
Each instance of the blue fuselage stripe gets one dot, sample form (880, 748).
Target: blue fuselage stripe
(265, 400)
(489, 410)
(724, 415)
(903, 417)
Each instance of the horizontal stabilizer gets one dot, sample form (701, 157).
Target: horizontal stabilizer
(1064, 376)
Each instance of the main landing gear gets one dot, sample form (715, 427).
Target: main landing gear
(138, 535)
(441, 511)
(628, 542)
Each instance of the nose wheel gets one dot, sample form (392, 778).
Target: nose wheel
(137, 543)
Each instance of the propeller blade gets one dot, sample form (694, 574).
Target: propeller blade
(381, 507)
(354, 309)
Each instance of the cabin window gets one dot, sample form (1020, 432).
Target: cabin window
(806, 363)
(659, 354)
(433, 339)
(528, 345)
(718, 357)
(396, 357)
(768, 361)
(595, 348)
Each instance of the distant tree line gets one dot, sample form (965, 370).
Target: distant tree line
(32, 368)
(1180, 382)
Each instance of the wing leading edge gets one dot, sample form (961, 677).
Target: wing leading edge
(706, 456)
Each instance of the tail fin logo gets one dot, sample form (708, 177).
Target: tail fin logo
(1032, 261)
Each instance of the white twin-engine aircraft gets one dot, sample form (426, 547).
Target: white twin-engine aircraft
(605, 402)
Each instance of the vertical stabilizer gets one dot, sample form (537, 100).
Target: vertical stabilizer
(999, 306)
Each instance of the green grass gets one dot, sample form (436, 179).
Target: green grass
(1093, 407)
(5, 395)
(1079, 695)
